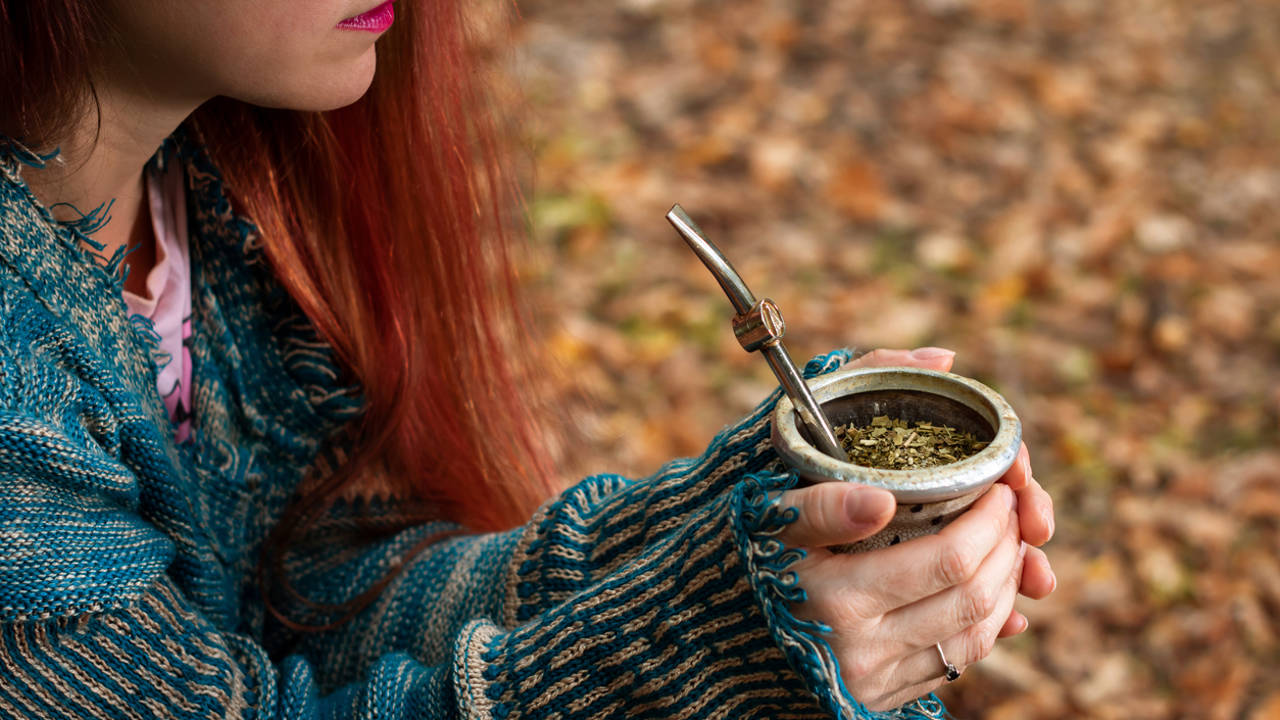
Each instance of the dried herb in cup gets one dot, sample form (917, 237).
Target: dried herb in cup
(894, 444)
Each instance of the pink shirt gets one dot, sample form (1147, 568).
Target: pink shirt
(168, 293)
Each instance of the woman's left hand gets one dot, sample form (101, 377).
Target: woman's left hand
(1035, 507)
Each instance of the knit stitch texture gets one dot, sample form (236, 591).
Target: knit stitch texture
(127, 564)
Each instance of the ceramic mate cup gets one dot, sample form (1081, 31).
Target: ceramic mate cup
(928, 498)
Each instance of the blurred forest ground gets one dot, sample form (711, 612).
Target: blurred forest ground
(1079, 196)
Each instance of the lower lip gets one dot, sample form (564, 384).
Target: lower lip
(376, 20)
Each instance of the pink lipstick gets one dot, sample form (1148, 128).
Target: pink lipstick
(376, 20)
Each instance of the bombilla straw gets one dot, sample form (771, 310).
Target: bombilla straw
(759, 326)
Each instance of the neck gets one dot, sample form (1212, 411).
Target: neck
(102, 160)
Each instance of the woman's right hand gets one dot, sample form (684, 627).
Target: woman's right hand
(888, 607)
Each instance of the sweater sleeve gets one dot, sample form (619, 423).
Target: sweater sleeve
(661, 598)
(677, 630)
(666, 597)
(680, 629)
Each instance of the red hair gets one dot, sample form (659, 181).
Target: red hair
(388, 221)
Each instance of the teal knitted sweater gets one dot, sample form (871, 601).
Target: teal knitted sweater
(127, 584)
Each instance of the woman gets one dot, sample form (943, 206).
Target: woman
(271, 382)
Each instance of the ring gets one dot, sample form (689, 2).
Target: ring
(952, 672)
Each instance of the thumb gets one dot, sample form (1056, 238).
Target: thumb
(836, 513)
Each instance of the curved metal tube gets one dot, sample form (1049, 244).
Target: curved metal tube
(744, 303)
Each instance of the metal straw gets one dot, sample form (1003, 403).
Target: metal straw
(759, 326)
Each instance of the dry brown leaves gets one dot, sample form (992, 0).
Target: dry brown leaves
(1080, 197)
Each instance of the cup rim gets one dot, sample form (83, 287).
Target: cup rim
(941, 482)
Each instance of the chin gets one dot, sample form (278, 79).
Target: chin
(342, 89)
(323, 90)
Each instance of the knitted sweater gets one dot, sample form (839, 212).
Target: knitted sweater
(127, 564)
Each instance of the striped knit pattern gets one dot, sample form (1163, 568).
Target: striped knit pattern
(127, 564)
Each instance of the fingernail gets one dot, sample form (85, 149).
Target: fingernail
(1022, 624)
(931, 353)
(1012, 498)
(1046, 517)
(867, 507)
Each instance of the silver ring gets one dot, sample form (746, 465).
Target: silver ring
(952, 672)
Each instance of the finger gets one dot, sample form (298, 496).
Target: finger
(1035, 513)
(874, 583)
(1016, 623)
(962, 649)
(836, 513)
(955, 653)
(932, 358)
(1019, 473)
(947, 613)
(902, 697)
(1035, 505)
(925, 663)
(1038, 579)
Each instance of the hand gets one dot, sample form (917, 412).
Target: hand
(888, 607)
(1035, 507)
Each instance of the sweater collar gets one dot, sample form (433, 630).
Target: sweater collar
(66, 269)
